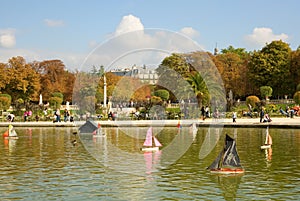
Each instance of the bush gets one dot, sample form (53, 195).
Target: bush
(298, 87)
(297, 97)
(5, 101)
(58, 94)
(163, 94)
(252, 100)
(156, 100)
(55, 102)
(173, 113)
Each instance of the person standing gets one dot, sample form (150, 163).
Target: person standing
(58, 115)
(66, 115)
(203, 113)
(207, 113)
(262, 114)
(25, 115)
(234, 117)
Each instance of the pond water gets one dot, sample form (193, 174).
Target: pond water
(44, 164)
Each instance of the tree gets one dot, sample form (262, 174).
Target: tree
(3, 76)
(23, 80)
(271, 67)
(84, 92)
(54, 78)
(142, 93)
(177, 63)
(172, 74)
(295, 68)
(233, 67)
(239, 51)
(200, 88)
(266, 91)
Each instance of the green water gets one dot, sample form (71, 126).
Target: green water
(43, 164)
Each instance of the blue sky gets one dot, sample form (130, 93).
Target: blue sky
(70, 29)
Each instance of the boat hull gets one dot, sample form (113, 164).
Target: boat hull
(150, 149)
(227, 171)
(266, 146)
(11, 138)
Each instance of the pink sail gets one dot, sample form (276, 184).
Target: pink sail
(148, 141)
(156, 142)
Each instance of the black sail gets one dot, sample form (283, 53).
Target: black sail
(231, 157)
(228, 156)
(216, 163)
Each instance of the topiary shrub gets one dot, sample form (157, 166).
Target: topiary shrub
(297, 97)
(252, 100)
(266, 91)
(58, 94)
(163, 94)
(55, 102)
(156, 100)
(298, 87)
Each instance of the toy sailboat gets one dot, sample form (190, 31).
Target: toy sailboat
(10, 133)
(150, 140)
(268, 140)
(99, 132)
(228, 161)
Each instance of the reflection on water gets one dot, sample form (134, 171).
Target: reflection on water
(44, 164)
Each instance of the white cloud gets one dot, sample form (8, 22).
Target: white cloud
(261, 36)
(129, 23)
(54, 23)
(132, 44)
(189, 32)
(7, 38)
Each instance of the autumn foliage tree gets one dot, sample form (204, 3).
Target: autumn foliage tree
(232, 66)
(55, 78)
(22, 80)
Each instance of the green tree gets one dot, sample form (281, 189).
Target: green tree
(271, 67)
(266, 91)
(200, 88)
(239, 51)
(295, 69)
(177, 63)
